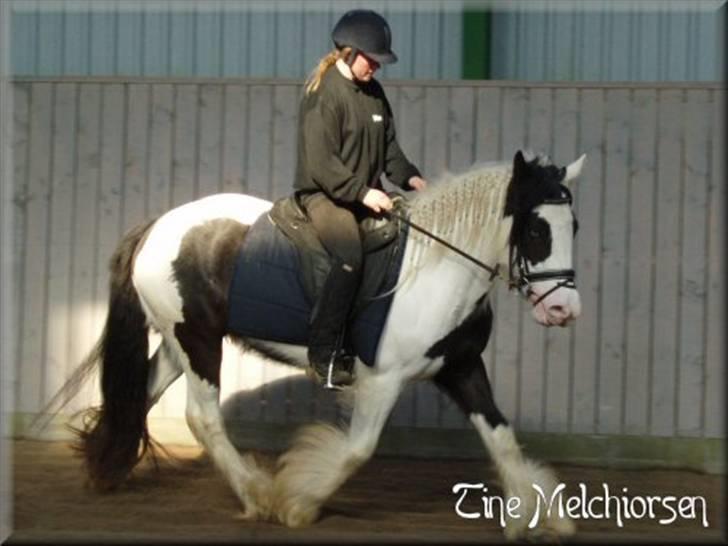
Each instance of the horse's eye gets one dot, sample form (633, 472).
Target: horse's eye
(533, 234)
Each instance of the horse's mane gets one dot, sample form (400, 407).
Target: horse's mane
(455, 203)
(461, 207)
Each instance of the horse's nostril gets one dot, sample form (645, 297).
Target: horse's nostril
(557, 310)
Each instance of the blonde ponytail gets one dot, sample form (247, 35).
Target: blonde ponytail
(314, 79)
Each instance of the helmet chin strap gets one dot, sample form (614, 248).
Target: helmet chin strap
(352, 56)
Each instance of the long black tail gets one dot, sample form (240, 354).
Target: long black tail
(114, 437)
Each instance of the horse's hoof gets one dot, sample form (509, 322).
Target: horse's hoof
(297, 515)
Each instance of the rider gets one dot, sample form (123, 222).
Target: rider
(346, 141)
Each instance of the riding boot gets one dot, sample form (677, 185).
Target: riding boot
(327, 327)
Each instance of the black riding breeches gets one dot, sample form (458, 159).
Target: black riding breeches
(338, 228)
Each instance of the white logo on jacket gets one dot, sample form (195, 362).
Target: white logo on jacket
(377, 118)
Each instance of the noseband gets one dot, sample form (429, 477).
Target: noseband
(525, 278)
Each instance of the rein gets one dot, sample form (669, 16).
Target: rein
(494, 271)
(525, 278)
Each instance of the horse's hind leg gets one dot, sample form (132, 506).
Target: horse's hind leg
(164, 370)
(201, 358)
(464, 378)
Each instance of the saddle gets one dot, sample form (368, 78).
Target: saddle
(377, 233)
(281, 268)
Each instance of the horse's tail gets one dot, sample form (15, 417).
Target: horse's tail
(114, 437)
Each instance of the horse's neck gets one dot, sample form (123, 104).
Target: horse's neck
(466, 212)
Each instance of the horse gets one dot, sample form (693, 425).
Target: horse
(171, 276)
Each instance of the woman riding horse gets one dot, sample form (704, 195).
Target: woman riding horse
(346, 140)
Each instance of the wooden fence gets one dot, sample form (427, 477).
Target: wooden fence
(93, 157)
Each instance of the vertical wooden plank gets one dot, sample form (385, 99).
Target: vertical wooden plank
(285, 123)
(532, 371)
(588, 244)
(85, 236)
(21, 196)
(666, 287)
(235, 138)
(507, 324)
(160, 147)
(211, 127)
(436, 123)
(487, 126)
(410, 125)
(461, 128)
(640, 273)
(136, 161)
(715, 374)
(32, 341)
(184, 157)
(60, 242)
(693, 257)
(559, 357)
(259, 114)
(614, 237)
(260, 117)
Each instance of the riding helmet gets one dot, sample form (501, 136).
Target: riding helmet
(367, 32)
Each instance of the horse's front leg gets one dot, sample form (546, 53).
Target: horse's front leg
(464, 377)
(324, 456)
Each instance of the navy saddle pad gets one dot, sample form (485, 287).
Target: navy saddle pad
(267, 300)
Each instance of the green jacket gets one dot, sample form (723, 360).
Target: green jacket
(346, 140)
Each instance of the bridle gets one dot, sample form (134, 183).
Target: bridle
(525, 278)
(522, 283)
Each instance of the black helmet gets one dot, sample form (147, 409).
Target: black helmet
(365, 31)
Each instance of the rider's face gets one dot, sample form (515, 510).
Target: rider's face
(363, 67)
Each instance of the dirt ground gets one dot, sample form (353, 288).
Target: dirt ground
(389, 500)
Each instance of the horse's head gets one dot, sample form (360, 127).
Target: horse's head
(542, 235)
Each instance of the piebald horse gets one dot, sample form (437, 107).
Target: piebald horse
(171, 275)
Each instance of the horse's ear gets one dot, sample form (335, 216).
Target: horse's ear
(519, 165)
(574, 170)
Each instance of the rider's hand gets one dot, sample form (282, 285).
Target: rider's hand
(417, 183)
(377, 200)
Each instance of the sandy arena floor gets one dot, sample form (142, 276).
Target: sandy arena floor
(389, 500)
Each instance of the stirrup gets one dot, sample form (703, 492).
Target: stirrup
(337, 373)
(329, 385)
